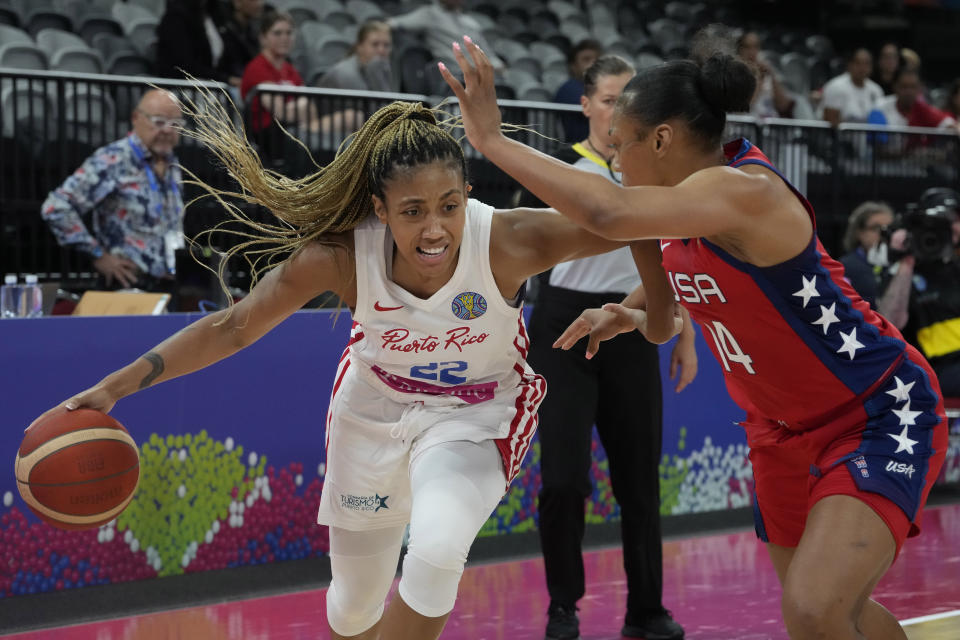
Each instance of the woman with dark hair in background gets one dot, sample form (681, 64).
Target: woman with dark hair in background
(241, 37)
(845, 421)
(619, 390)
(771, 99)
(888, 61)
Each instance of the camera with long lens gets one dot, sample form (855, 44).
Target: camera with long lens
(929, 224)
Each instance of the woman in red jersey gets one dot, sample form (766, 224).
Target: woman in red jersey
(844, 420)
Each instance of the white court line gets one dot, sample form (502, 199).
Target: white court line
(933, 616)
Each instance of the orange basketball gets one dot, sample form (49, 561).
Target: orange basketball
(77, 469)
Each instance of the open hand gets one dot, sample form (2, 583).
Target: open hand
(478, 99)
(598, 324)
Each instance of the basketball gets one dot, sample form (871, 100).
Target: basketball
(77, 469)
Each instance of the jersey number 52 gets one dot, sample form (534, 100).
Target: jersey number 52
(442, 371)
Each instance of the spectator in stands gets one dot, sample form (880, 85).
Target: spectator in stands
(866, 255)
(923, 296)
(367, 68)
(888, 61)
(952, 104)
(851, 96)
(772, 99)
(241, 38)
(189, 40)
(272, 67)
(576, 126)
(906, 107)
(910, 59)
(132, 188)
(442, 22)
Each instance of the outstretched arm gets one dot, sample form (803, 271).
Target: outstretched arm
(284, 290)
(712, 201)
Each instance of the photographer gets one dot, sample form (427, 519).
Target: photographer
(923, 296)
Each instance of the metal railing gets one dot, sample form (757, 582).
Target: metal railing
(53, 120)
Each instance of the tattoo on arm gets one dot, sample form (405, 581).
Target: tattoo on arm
(154, 359)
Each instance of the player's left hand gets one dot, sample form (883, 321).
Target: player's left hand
(683, 360)
(477, 95)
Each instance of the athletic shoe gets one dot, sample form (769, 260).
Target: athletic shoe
(563, 623)
(659, 626)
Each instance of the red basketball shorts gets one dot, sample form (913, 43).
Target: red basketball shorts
(886, 451)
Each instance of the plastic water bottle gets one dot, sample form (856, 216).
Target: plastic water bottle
(32, 298)
(10, 294)
(21, 301)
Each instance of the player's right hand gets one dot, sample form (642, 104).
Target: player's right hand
(598, 324)
(93, 398)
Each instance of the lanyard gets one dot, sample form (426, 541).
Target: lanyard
(152, 178)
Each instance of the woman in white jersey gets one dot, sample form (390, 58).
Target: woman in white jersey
(433, 405)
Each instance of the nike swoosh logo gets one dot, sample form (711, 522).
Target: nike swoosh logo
(377, 307)
(664, 245)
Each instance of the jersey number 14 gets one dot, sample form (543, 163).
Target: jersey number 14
(727, 347)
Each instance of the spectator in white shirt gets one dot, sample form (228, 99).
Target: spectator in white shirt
(851, 96)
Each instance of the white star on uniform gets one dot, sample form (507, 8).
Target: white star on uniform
(903, 442)
(850, 343)
(827, 317)
(907, 417)
(809, 290)
(902, 392)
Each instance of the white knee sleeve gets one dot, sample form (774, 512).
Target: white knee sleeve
(363, 564)
(455, 487)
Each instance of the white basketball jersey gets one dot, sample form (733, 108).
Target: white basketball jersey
(463, 344)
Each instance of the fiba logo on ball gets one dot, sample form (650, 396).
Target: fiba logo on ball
(469, 305)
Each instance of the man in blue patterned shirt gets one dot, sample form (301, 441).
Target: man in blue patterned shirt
(133, 189)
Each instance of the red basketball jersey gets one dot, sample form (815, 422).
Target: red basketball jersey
(796, 342)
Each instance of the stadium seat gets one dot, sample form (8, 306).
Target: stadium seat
(560, 41)
(9, 16)
(301, 12)
(330, 50)
(546, 53)
(13, 35)
(76, 59)
(364, 10)
(143, 34)
(666, 32)
(544, 22)
(313, 31)
(526, 38)
(509, 49)
(574, 29)
(93, 24)
(339, 19)
(535, 92)
(646, 59)
(556, 66)
(489, 9)
(24, 106)
(529, 64)
(110, 45)
(564, 10)
(21, 55)
(52, 40)
(413, 61)
(818, 72)
(37, 19)
(127, 14)
(518, 78)
(486, 22)
(87, 110)
(156, 7)
(129, 64)
(682, 12)
(553, 80)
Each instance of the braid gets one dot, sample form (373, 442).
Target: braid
(335, 199)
